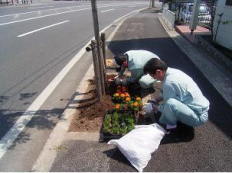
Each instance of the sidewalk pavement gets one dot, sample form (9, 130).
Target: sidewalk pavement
(209, 150)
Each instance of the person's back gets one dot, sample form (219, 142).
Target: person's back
(136, 62)
(186, 90)
(138, 58)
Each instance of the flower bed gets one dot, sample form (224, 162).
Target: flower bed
(122, 117)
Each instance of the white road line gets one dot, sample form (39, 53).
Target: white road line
(39, 17)
(37, 11)
(51, 10)
(103, 11)
(36, 30)
(40, 7)
(71, 11)
(17, 14)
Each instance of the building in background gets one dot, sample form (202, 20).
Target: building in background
(222, 26)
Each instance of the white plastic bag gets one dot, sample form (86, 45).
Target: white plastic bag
(138, 145)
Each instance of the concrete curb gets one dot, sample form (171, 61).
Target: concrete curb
(218, 56)
(221, 82)
(49, 152)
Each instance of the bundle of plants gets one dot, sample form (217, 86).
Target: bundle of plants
(116, 123)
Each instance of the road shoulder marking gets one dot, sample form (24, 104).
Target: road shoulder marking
(104, 11)
(43, 28)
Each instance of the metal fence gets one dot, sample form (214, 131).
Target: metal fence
(204, 20)
(169, 18)
(6, 2)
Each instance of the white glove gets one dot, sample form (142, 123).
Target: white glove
(124, 82)
(148, 108)
(120, 81)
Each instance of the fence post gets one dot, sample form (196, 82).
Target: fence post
(96, 33)
(96, 69)
(103, 41)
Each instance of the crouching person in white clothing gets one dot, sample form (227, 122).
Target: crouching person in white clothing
(182, 99)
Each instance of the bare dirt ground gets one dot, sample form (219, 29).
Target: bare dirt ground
(90, 114)
(90, 118)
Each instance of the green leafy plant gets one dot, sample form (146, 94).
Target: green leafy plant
(118, 123)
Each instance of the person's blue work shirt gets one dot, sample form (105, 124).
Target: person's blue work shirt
(180, 86)
(136, 62)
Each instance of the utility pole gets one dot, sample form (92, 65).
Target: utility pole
(100, 66)
(194, 17)
(152, 3)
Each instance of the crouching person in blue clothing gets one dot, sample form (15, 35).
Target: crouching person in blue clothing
(134, 61)
(182, 100)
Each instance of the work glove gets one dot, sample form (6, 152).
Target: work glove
(120, 81)
(147, 108)
(124, 82)
(150, 107)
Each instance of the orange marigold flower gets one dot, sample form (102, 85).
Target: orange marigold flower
(127, 94)
(135, 104)
(128, 99)
(116, 94)
(122, 95)
(117, 106)
(138, 99)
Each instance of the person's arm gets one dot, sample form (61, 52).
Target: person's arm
(122, 70)
(135, 76)
(169, 91)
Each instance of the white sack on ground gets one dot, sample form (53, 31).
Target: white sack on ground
(138, 145)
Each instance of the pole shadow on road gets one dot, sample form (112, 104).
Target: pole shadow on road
(167, 50)
(43, 119)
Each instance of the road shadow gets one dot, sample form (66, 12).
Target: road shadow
(24, 96)
(117, 158)
(42, 119)
(167, 50)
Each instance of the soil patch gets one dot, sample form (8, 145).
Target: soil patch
(90, 118)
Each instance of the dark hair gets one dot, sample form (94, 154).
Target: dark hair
(120, 59)
(154, 64)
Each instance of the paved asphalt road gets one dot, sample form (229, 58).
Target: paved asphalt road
(37, 41)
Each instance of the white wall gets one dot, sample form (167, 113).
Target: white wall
(224, 34)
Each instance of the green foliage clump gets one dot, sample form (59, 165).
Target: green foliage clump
(118, 123)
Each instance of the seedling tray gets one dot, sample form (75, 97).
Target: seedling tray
(105, 136)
